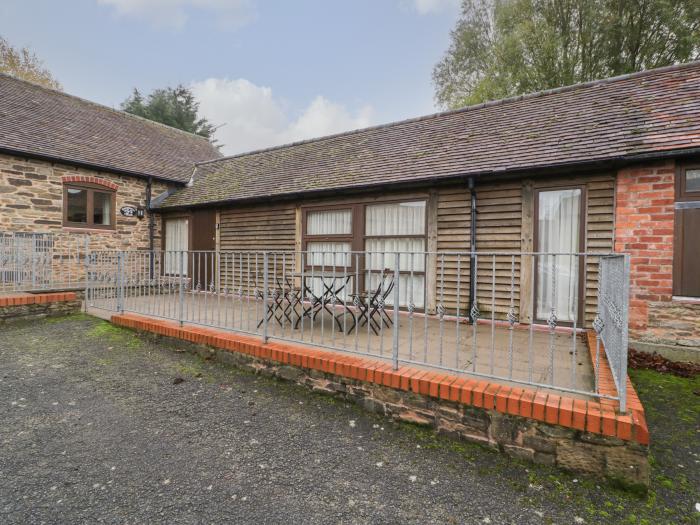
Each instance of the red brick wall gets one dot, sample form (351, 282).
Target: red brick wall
(644, 218)
(644, 229)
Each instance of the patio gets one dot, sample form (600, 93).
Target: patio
(524, 354)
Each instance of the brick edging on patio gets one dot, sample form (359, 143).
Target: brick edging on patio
(577, 414)
(40, 298)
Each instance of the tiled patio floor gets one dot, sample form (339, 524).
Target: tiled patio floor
(520, 354)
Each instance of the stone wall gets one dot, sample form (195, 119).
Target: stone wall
(31, 200)
(644, 227)
(522, 438)
(37, 306)
(585, 436)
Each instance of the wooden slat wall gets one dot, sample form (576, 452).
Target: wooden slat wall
(498, 224)
(255, 228)
(453, 228)
(270, 227)
(599, 232)
(499, 229)
(499, 209)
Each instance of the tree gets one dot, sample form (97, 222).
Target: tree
(24, 64)
(501, 48)
(175, 107)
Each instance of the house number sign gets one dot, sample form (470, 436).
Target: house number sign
(128, 211)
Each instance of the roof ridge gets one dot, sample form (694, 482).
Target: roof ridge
(102, 106)
(490, 103)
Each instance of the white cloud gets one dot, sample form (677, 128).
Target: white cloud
(174, 13)
(425, 7)
(252, 118)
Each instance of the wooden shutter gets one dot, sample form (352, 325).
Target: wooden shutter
(686, 282)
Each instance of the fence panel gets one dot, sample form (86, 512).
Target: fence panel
(377, 304)
(42, 261)
(611, 325)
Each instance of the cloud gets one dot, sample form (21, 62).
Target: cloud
(175, 13)
(252, 118)
(426, 7)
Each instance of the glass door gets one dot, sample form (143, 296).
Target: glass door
(558, 235)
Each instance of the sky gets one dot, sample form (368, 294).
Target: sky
(266, 72)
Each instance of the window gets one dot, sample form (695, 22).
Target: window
(331, 233)
(87, 206)
(559, 222)
(397, 227)
(362, 240)
(176, 243)
(686, 248)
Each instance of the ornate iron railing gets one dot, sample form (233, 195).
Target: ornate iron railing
(42, 261)
(522, 320)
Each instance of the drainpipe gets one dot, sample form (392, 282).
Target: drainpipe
(151, 226)
(472, 248)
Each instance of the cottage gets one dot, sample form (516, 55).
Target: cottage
(496, 257)
(607, 166)
(70, 168)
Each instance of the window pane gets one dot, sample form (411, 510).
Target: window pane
(692, 180)
(405, 218)
(328, 254)
(381, 254)
(411, 289)
(102, 208)
(76, 205)
(331, 222)
(176, 240)
(558, 226)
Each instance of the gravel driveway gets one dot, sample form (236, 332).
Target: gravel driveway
(102, 425)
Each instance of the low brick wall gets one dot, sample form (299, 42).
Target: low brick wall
(34, 306)
(581, 436)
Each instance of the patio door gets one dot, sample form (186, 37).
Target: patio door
(558, 235)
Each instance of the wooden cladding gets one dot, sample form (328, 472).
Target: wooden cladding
(505, 217)
(504, 211)
(258, 228)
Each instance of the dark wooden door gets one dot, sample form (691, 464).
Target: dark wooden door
(203, 251)
(686, 282)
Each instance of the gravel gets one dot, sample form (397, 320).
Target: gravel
(100, 425)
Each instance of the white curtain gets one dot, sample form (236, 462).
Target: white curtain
(331, 222)
(381, 254)
(328, 254)
(405, 218)
(176, 240)
(103, 207)
(558, 232)
(410, 289)
(385, 220)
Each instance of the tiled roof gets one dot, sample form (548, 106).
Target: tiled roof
(48, 123)
(647, 112)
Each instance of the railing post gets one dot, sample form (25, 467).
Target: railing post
(120, 282)
(395, 342)
(265, 292)
(622, 382)
(181, 300)
(87, 273)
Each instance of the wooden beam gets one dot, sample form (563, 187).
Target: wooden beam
(526, 245)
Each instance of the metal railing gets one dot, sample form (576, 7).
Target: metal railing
(521, 320)
(42, 261)
(611, 322)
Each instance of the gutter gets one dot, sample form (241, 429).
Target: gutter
(151, 225)
(472, 249)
